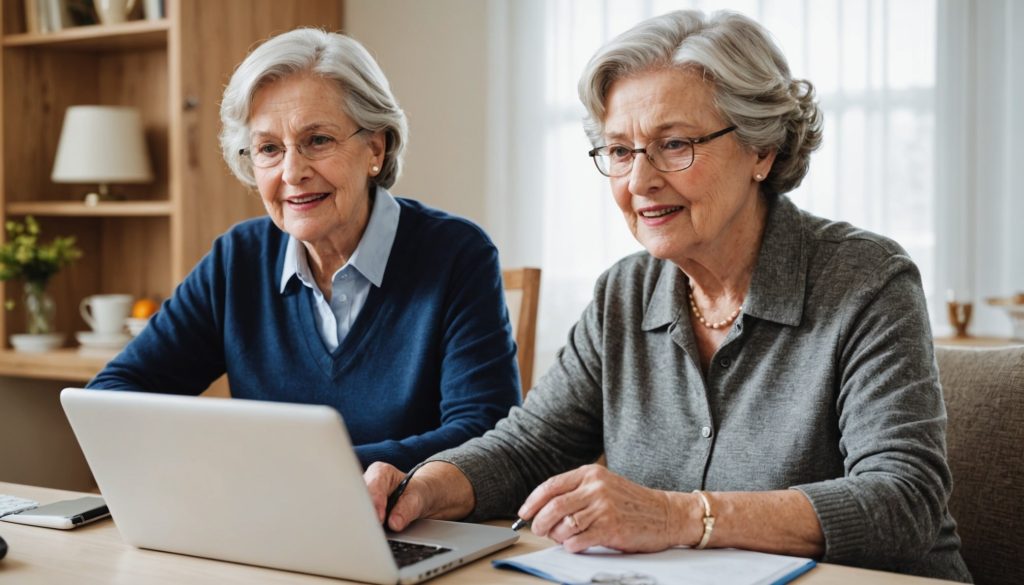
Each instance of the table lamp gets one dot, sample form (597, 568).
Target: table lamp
(102, 144)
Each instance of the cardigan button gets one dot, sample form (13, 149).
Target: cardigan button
(705, 432)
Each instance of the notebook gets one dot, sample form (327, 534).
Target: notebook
(261, 483)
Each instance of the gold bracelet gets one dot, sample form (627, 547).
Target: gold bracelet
(709, 520)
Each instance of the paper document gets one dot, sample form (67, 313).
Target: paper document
(676, 565)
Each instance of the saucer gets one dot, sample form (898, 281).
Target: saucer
(34, 343)
(93, 340)
(135, 326)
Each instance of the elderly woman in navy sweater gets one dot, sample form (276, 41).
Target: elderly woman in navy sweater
(388, 310)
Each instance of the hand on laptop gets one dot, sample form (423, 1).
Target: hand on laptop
(438, 490)
(381, 480)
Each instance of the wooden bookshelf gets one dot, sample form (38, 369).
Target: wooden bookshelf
(137, 34)
(173, 70)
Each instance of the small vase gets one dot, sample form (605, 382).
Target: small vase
(40, 310)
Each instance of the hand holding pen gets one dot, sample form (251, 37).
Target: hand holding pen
(592, 506)
(386, 484)
(439, 491)
(393, 498)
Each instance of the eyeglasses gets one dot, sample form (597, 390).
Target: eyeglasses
(668, 155)
(315, 146)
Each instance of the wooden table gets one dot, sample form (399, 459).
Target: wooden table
(95, 554)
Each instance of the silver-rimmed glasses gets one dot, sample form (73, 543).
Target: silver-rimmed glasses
(668, 155)
(313, 146)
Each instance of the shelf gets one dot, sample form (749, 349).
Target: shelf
(972, 341)
(80, 209)
(69, 365)
(136, 34)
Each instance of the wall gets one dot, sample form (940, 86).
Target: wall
(435, 55)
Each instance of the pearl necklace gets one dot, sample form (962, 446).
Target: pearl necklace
(709, 325)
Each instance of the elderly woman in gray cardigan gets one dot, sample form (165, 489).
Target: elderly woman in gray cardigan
(759, 378)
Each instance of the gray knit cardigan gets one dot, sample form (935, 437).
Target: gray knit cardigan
(826, 384)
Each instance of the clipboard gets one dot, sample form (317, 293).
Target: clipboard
(675, 565)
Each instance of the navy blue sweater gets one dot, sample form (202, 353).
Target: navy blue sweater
(428, 364)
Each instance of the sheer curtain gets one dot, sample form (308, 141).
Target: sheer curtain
(979, 198)
(873, 63)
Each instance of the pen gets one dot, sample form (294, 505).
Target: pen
(520, 523)
(393, 498)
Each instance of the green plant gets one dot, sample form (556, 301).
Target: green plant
(22, 256)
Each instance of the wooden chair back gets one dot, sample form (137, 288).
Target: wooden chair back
(522, 293)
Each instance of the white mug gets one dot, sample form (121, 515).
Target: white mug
(113, 11)
(153, 9)
(106, 314)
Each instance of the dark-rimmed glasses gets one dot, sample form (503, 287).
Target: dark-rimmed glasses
(315, 146)
(668, 155)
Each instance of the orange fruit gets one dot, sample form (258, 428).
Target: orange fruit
(144, 308)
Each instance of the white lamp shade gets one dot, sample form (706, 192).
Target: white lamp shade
(102, 144)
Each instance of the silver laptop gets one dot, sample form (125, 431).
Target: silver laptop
(262, 483)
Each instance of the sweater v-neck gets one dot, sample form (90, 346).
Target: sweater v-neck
(334, 364)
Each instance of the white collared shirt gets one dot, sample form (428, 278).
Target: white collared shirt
(350, 284)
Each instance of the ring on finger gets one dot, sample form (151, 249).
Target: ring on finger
(572, 522)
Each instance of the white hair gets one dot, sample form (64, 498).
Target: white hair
(753, 88)
(367, 97)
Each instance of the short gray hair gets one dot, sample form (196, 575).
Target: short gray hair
(753, 88)
(367, 95)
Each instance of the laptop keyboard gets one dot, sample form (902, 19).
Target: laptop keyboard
(407, 553)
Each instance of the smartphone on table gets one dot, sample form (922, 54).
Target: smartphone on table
(64, 514)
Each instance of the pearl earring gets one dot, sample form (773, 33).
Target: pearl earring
(758, 177)
(375, 169)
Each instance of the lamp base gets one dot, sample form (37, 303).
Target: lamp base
(93, 199)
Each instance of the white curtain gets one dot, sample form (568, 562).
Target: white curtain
(920, 119)
(980, 138)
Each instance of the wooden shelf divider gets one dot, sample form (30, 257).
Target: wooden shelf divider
(80, 209)
(133, 34)
(983, 341)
